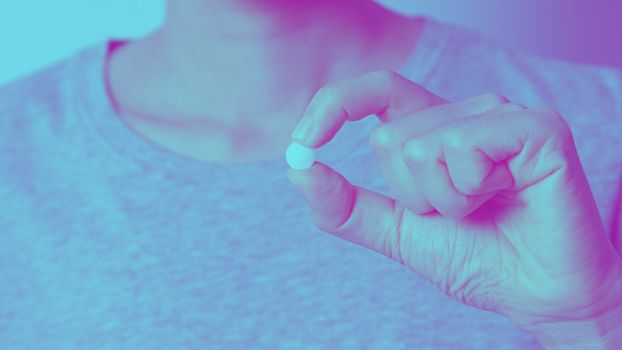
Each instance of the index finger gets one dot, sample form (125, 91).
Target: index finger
(386, 94)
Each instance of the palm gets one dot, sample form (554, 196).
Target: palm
(521, 253)
(515, 228)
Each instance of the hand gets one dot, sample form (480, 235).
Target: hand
(492, 205)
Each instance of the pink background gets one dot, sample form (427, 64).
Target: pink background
(35, 33)
(578, 30)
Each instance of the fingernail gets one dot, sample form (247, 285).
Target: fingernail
(302, 130)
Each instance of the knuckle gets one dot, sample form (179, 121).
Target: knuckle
(387, 74)
(455, 139)
(329, 94)
(555, 134)
(459, 143)
(396, 245)
(495, 98)
(557, 125)
(512, 107)
(456, 211)
(468, 185)
(383, 136)
(391, 79)
(516, 105)
(415, 151)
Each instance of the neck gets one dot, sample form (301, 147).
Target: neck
(248, 67)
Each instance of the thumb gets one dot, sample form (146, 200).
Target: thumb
(329, 195)
(355, 214)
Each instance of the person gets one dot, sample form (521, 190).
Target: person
(148, 204)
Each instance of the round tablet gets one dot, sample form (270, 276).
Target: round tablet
(299, 157)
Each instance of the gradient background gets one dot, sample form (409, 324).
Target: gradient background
(36, 33)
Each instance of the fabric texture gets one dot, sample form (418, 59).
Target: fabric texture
(110, 242)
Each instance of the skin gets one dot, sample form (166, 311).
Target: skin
(492, 205)
(512, 228)
(175, 86)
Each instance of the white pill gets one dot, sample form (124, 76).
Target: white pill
(299, 157)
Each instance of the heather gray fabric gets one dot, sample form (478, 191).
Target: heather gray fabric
(110, 242)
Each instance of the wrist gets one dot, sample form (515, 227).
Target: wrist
(601, 330)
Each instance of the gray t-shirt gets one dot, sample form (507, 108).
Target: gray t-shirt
(110, 242)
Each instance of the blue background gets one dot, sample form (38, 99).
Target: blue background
(36, 33)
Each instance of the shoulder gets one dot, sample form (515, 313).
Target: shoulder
(469, 63)
(46, 99)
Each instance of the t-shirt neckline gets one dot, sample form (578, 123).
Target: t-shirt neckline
(97, 107)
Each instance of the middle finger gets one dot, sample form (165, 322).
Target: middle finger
(388, 140)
